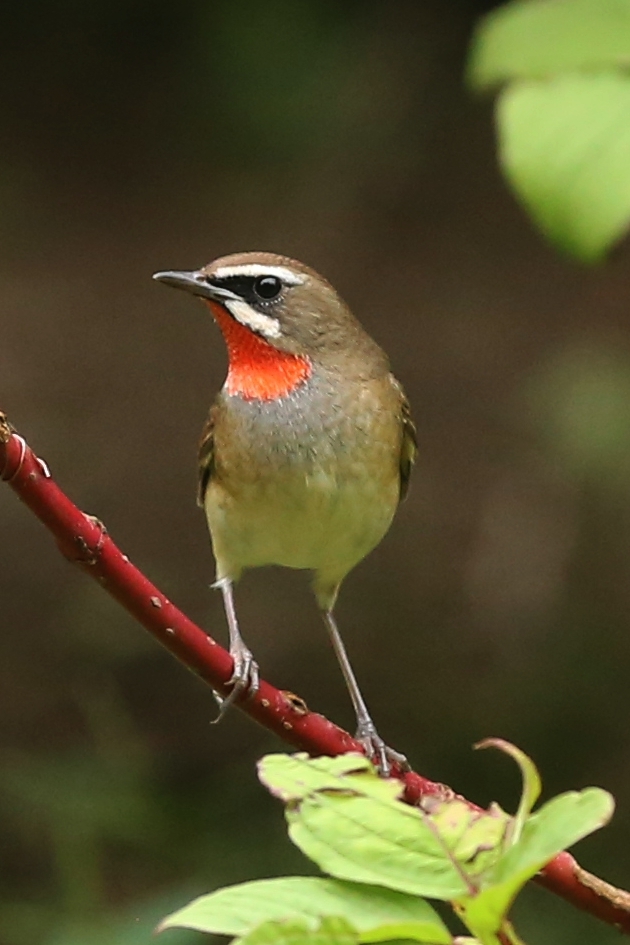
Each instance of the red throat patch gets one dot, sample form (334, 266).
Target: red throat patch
(257, 370)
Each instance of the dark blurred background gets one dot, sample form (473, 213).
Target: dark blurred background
(143, 135)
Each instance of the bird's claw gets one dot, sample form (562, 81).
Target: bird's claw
(380, 754)
(244, 681)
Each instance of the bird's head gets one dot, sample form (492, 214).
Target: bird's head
(277, 316)
(284, 302)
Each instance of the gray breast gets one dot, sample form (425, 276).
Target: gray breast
(309, 426)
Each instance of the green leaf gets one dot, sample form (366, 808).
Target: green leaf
(376, 913)
(473, 838)
(331, 931)
(352, 826)
(556, 826)
(531, 782)
(294, 777)
(565, 148)
(538, 38)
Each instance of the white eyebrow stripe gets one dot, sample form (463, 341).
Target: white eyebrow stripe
(256, 269)
(250, 318)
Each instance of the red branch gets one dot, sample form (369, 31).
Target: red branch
(83, 540)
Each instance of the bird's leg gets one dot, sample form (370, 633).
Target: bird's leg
(245, 677)
(375, 748)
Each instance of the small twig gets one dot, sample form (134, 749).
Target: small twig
(83, 540)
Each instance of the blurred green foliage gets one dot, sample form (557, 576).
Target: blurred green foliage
(275, 63)
(83, 813)
(533, 39)
(564, 118)
(578, 401)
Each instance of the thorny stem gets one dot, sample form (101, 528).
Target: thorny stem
(83, 540)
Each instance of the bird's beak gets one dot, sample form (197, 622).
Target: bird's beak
(196, 283)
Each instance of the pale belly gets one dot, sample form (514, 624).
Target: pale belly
(314, 521)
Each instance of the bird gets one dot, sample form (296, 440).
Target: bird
(308, 447)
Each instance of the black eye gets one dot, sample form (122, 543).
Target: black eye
(267, 287)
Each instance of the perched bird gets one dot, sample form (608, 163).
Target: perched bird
(308, 447)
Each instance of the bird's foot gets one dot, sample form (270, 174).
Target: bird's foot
(244, 681)
(381, 755)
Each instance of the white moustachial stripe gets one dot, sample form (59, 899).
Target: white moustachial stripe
(250, 318)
